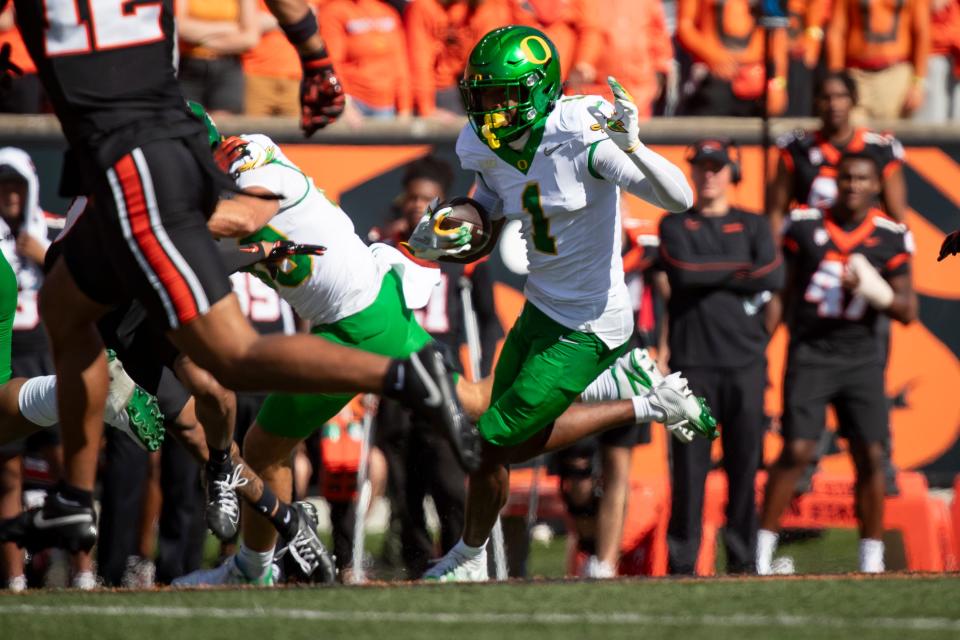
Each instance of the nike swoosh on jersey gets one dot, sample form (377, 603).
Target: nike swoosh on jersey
(40, 522)
(550, 150)
(565, 340)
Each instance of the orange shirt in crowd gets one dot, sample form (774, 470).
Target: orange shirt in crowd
(212, 11)
(18, 50)
(368, 48)
(724, 35)
(636, 47)
(273, 57)
(876, 34)
(440, 35)
(945, 28)
(805, 30)
(573, 26)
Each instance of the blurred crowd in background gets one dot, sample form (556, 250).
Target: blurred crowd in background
(400, 58)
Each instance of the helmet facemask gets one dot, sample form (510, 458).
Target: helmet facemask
(511, 82)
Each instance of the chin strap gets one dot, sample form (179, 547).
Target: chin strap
(492, 121)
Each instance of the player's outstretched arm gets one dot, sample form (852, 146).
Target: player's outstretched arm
(632, 165)
(321, 97)
(241, 215)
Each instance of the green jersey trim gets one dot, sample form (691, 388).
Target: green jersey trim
(522, 160)
(590, 154)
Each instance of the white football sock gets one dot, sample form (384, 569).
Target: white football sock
(766, 546)
(643, 411)
(601, 389)
(871, 556)
(254, 564)
(38, 400)
(466, 550)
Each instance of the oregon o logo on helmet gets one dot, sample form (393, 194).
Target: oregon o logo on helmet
(528, 52)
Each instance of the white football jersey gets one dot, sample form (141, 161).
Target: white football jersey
(569, 216)
(322, 289)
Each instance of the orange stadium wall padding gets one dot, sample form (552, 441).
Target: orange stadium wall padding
(923, 375)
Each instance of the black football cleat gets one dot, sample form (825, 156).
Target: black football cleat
(424, 382)
(305, 557)
(223, 506)
(59, 523)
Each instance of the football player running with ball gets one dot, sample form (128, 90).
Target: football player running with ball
(556, 164)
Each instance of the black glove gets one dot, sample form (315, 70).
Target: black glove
(285, 248)
(8, 70)
(321, 96)
(950, 246)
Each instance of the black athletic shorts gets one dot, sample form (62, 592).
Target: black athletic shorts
(856, 392)
(147, 356)
(143, 235)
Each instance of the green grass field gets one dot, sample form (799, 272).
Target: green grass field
(815, 608)
(834, 606)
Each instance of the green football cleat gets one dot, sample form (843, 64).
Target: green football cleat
(705, 424)
(131, 409)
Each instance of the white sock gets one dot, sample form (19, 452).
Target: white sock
(871, 555)
(643, 411)
(766, 546)
(38, 400)
(467, 551)
(254, 564)
(601, 389)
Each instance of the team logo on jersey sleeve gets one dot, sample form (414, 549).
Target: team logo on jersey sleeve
(820, 237)
(815, 156)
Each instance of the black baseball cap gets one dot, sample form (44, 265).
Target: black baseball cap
(710, 149)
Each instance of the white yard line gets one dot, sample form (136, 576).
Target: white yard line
(610, 618)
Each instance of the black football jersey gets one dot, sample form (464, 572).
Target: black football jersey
(107, 65)
(812, 161)
(823, 314)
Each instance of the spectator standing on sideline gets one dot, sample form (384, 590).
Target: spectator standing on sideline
(942, 100)
(726, 43)
(440, 35)
(635, 49)
(418, 462)
(213, 34)
(368, 48)
(805, 33)
(806, 173)
(722, 265)
(271, 71)
(847, 264)
(885, 46)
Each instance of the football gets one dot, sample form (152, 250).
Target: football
(467, 211)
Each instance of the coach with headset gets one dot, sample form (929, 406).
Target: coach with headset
(722, 267)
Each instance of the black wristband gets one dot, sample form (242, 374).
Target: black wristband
(301, 30)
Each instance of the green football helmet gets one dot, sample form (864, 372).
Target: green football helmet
(512, 81)
(213, 134)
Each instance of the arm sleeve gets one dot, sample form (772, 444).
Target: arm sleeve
(489, 324)
(684, 267)
(643, 173)
(767, 273)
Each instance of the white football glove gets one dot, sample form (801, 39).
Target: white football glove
(623, 125)
(871, 285)
(681, 433)
(429, 242)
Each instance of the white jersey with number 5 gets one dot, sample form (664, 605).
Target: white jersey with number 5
(323, 289)
(569, 216)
